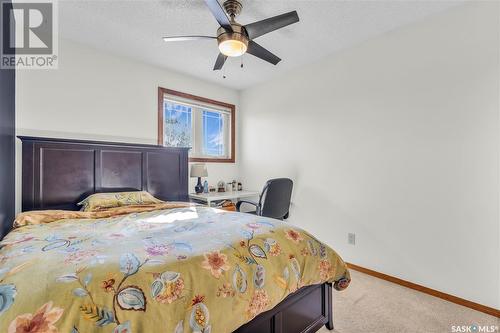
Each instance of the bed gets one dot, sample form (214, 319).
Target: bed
(161, 267)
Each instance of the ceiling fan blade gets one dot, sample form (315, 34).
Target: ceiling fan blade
(219, 14)
(263, 27)
(260, 52)
(221, 59)
(186, 38)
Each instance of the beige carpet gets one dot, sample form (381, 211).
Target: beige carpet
(372, 305)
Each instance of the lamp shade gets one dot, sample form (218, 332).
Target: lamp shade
(198, 170)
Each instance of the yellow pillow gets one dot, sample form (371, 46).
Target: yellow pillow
(100, 201)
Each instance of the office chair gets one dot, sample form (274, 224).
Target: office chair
(274, 201)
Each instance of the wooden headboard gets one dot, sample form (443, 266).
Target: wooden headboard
(58, 173)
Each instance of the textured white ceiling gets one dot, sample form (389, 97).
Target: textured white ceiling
(134, 29)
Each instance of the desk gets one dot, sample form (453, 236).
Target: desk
(218, 196)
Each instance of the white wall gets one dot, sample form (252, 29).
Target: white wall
(396, 140)
(98, 96)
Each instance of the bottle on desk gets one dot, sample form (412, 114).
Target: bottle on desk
(205, 187)
(232, 186)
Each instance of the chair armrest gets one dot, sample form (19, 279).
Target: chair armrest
(239, 203)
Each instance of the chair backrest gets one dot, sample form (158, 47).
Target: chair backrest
(274, 201)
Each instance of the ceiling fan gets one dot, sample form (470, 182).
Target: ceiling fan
(235, 39)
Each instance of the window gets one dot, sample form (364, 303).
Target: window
(204, 125)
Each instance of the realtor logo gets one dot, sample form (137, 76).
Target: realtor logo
(29, 35)
(474, 328)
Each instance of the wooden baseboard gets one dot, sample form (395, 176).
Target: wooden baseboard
(433, 292)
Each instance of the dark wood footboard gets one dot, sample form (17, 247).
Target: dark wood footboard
(304, 311)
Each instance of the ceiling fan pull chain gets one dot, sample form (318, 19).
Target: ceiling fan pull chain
(241, 61)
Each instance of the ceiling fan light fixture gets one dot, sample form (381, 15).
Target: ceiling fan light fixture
(232, 43)
(233, 48)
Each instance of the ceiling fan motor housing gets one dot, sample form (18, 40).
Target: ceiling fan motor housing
(232, 8)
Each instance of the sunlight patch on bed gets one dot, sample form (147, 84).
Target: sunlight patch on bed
(173, 217)
(217, 210)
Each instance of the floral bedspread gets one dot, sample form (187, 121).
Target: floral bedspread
(192, 269)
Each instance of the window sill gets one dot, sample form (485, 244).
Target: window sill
(211, 160)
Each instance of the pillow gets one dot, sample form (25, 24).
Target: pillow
(101, 201)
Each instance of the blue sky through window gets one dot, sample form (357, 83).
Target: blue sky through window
(213, 133)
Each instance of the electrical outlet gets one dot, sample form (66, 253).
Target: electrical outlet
(351, 238)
